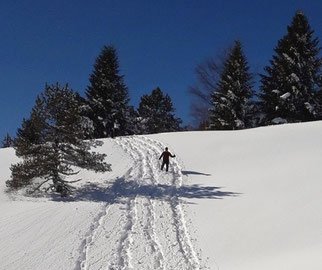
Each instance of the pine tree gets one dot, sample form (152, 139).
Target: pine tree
(52, 143)
(30, 133)
(234, 90)
(107, 95)
(157, 113)
(133, 121)
(7, 141)
(293, 77)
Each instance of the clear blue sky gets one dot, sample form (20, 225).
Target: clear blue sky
(159, 43)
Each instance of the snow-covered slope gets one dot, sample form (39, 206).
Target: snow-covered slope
(267, 213)
(232, 200)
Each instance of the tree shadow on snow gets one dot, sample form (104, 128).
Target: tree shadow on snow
(122, 189)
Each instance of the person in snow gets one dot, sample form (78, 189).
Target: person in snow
(166, 156)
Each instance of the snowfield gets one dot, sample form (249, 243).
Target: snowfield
(232, 200)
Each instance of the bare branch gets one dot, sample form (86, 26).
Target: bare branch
(70, 173)
(208, 74)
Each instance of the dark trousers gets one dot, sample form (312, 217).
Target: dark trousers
(166, 165)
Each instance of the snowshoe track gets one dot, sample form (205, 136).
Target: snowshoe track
(146, 228)
(144, 235)
(176, 180)
(81, 263)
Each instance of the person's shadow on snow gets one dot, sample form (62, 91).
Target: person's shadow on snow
(194, 173)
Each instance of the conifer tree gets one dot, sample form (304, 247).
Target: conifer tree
(29, 133)
(157, 113)
(52, 143)
(133, 121)
(230, 101)
(107, 95)
(293, 77)
(7, 141)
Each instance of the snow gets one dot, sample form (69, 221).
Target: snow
(295, 77)
(239, 123)
(276, 91)
(309, 107)
(285, 96)
(247, 199)
(267, 214)
(279, 120)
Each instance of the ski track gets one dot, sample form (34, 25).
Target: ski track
(103, 245)
(143, 235)
(176, 180)
(147, 230)
(81, 263)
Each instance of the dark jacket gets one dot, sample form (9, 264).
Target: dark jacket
(166, 155)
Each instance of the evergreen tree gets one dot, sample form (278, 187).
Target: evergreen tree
(293, 77)
(157, 113)
(7, 141)
(107, 95)
(30, 133)
(133, 123)
(52, 143)
(234, 90)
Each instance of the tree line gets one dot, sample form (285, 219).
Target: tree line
(290, 87)
(107, 104)
(63, 127)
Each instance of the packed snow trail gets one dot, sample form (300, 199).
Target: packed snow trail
(144, 227)
(175, 179)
